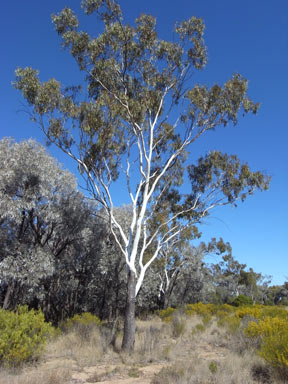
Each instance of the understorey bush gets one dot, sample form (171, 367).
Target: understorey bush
(83, 323)
(272, 336)
(23, 335)
(241, 300)
(167, 314)
(85, 318)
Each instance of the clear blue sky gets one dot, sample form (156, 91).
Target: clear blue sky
(249, 37)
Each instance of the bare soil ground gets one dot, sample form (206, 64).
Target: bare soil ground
(125, 373)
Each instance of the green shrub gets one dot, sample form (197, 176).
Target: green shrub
(83, 323)
(23, 335)
(213, 367)
(241, 300)
(199, 328)
(167, 314)
(134, 372)
(85, 318)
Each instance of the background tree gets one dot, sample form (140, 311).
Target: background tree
(231, 278)
(248, 283)
(186, 278)
(32, 188)
(46, 231)
(124, 123)
(276, 294)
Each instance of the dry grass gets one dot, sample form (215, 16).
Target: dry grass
(59, 375)
(83, 351)
(149, 335)
(188, 350)
(233, 370)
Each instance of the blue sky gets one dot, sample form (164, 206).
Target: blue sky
(249, 37)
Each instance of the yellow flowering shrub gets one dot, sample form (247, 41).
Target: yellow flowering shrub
(226, 308)
(167, 314)
(274, 311)
(267, 327)
(23, 335)
(84, 319)
(253, 312)
(260, 312)
(272, 332)
(205, 310)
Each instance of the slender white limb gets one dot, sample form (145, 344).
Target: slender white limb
(146, 194)
(141, 168)
(167, 279)
(161, 290)
(143, 249)
(166, 166)
(157, 231)
(143, 270)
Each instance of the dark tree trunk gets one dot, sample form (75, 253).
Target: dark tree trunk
(8, 296)
(164, 300)
(129, 321)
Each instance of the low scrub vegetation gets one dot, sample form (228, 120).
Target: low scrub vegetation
(259, 328)
(199, 343)
(85, 319)
(272, 336)
(23, 335)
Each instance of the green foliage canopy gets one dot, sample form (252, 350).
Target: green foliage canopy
(134, 81)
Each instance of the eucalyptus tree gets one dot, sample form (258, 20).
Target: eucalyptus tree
(41, 216)
(248, 283)
(180, 271)
(77, 246)
(274, 294)
(125, 123)
(231, 279)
